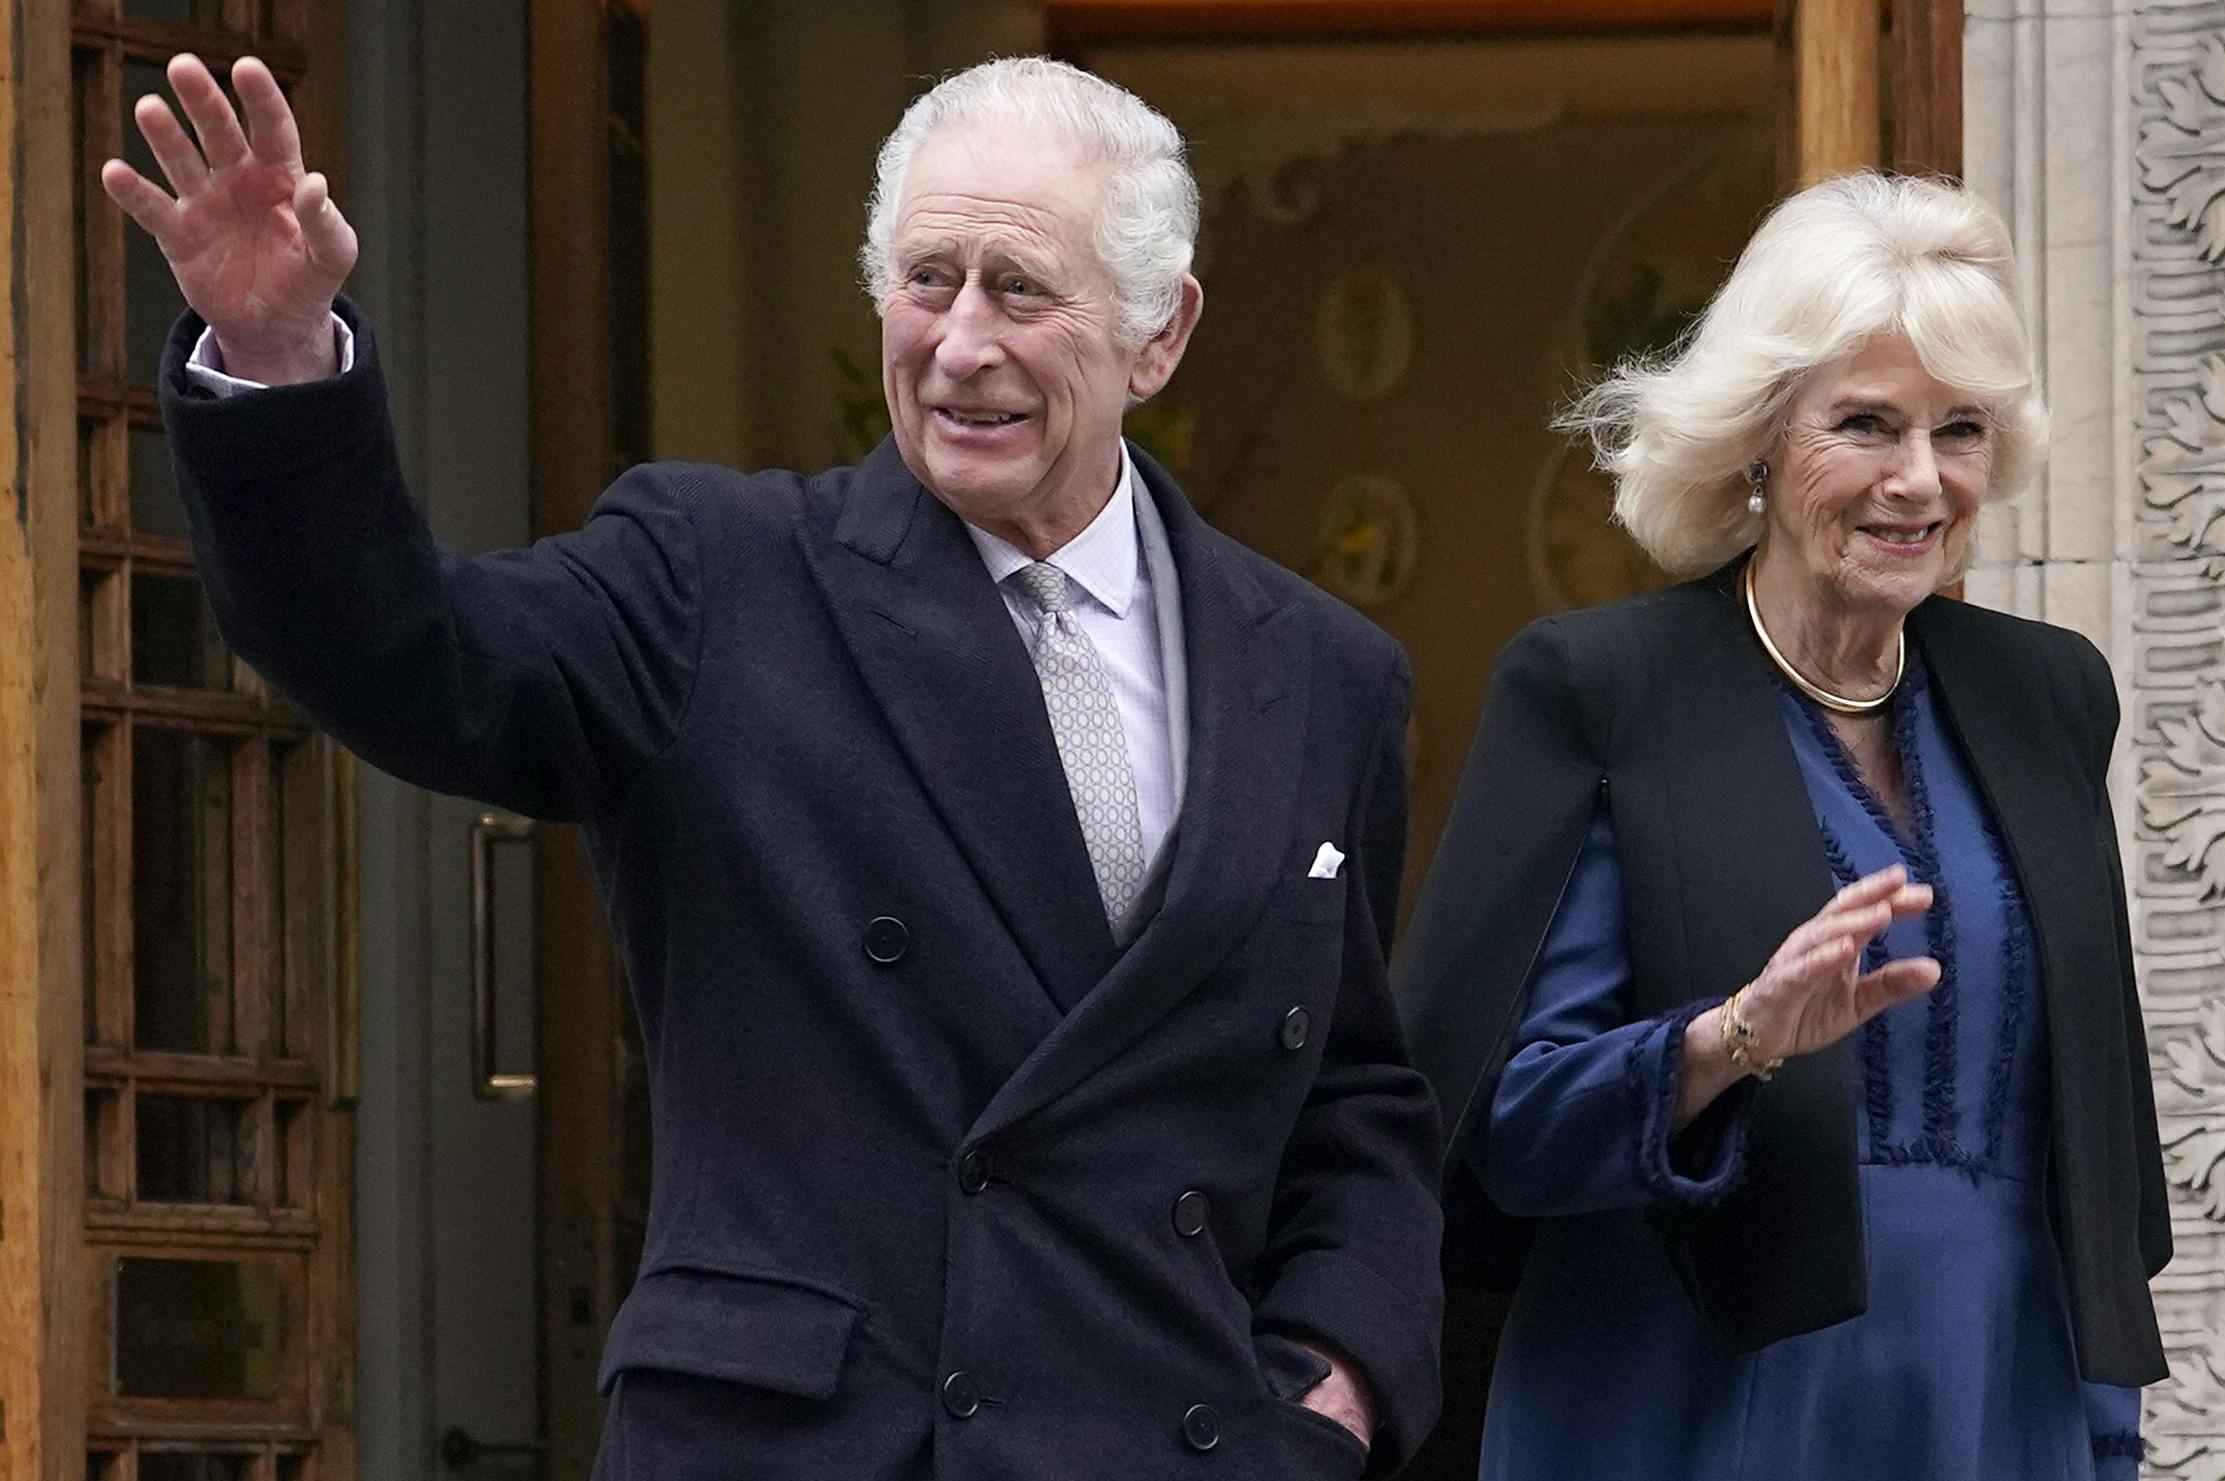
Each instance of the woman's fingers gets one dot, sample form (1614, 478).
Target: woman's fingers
(1872, 886)
(181, 162)
(1827, 955)
(141, 199)
(1870, 904)
(1895, 982)
(1910, 900)
(270, 119)
(214, 122)
(1860, 922)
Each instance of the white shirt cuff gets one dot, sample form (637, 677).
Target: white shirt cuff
(206, 367)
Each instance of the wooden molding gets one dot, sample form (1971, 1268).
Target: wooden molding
(1829, 54)
(578, 984)
(1926, 62)
(1075, 25)
(42, 1351)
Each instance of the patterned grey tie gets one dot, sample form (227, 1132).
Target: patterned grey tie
(1085, 721)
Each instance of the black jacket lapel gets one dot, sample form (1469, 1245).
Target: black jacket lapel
(1248, 663)
(939, 651)
(2025, 773)
(1753, 868)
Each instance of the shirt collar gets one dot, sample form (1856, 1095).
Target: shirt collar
(1101, 560)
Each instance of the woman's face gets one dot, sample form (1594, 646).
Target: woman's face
(1878, 480)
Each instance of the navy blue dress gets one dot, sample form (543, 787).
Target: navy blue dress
(1963, 1368)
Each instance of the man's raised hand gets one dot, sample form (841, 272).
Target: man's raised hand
(256, 244)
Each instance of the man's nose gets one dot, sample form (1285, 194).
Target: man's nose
(971, 325)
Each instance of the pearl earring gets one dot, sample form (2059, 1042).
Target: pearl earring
(1757, 474)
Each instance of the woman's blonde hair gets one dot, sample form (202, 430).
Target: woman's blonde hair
(1842, 262)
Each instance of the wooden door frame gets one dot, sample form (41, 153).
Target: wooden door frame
(46, 1347)
(42, 1026)
(1866, 84)
(579, 985)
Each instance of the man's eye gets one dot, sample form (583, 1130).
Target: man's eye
(925, 277)
(1025, 287)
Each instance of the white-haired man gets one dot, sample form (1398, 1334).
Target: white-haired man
(1003, 860)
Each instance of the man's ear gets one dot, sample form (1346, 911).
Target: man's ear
(1163, 351)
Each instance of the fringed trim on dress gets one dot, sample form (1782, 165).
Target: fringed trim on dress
(1945, 1007)
(1937, 1142)
(2120, 1445)
(1653, 1098)
(2015, 950)
(1877, 1083)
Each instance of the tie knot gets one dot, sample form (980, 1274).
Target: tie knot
(1045, 585)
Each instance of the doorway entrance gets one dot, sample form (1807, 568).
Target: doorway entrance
(1471, 208)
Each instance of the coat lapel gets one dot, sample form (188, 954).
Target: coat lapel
(2023, 774)
(940, 654)
(1247, 659)
(1755, 869)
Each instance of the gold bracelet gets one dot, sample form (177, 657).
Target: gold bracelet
(1738, 1041)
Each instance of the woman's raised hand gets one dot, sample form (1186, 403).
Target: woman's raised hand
(1813, 992)
(256, 244)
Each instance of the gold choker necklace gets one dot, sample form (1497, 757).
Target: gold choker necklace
(1822, 696)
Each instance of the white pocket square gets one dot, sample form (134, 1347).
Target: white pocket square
(1327, 863)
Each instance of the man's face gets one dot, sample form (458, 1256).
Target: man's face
(1005, 378)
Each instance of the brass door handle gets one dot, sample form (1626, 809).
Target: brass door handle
(460, 1450)
(487, 1083)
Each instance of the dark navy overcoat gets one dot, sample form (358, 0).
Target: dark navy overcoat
(945, 1183)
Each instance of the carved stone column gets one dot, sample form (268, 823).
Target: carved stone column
(2100, 131)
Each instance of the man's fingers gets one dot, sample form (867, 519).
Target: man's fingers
(141, 199)
(214, 122)
(181, 162)
(270, 119)
(331, 241)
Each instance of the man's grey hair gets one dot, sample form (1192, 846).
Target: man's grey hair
(1147, 222)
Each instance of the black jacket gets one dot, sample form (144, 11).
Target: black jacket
(1668, 703)
(924, 1134)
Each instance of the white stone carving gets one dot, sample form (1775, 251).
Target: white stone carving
(2175, 722)
(2182, 151)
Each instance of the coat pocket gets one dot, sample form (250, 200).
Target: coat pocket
(1313, 901)
(760, 1330)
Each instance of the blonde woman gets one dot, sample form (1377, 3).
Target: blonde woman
(1774, 972)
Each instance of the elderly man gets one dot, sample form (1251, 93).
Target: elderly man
(1003, 860)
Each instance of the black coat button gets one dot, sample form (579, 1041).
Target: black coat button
(973, 1171)
(1296, 1024)
(886, 940)
(961, 1395)
(1201, 1427)
(1189, 1214)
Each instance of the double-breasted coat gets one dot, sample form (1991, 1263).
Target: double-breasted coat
(946, 1183)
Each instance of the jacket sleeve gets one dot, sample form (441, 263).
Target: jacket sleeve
(1583, 1118)
(1355, 1225)
(539, 680)
(1526, 797)
(2155, 1205)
